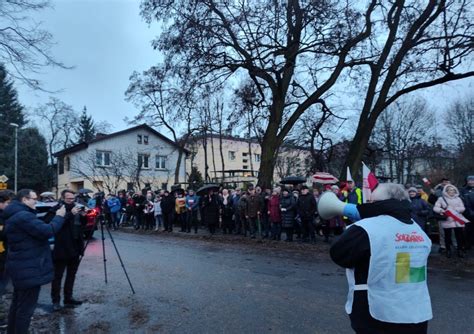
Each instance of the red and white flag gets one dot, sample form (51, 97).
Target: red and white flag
(369, 184)
(456, 216)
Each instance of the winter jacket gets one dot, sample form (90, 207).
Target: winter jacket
(419, 210)
(288, 211)
(352, 250)
(452, 203)
(114, 204)
(68, 241)
(210, 209)
(157, 208)
(192, 202)
(273, 208)
(235, 203)
(467, 195)
(306, 206)
(254, 205)
(354, 196)
(227, 207)
(242, 206)
(167, 204)
(3, 244)
(29, 262)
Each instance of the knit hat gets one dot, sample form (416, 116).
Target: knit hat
(470, 178)
(412, 189)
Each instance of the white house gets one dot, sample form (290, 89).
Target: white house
(134, 158)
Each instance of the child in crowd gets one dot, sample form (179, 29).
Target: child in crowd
(158, 213)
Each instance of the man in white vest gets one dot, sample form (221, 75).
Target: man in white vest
(386, 256)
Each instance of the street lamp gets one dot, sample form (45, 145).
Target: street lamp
(16, 155)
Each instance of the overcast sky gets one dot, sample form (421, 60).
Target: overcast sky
(106, 40)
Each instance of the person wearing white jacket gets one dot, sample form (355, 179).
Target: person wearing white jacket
(451, 201)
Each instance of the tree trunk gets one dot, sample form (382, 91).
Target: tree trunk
(270, 147)
(178, 165)
(214, 160)
(357, 148)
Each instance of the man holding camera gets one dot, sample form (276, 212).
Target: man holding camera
(68, 247)
(29, 263)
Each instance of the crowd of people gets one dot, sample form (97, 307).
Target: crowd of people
(253, 212)
(290, 212)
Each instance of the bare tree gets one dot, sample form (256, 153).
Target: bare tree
(400, 132)
(317, 131)
(292, 52)
(415, 45)
(122, 167)
(59, 120)
(25, 47)
(459, 121)
(164, 101)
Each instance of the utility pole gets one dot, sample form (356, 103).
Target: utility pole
(16, 156)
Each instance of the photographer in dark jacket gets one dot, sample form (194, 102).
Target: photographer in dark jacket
(29, 262)
(68, 246)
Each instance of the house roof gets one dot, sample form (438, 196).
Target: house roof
(84, 145)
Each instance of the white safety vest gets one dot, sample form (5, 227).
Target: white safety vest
(396, 286)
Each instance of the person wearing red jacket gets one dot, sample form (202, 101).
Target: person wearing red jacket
(274, 214)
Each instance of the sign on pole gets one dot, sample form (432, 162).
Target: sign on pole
(3, 186)
(3, 178)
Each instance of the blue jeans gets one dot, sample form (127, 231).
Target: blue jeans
(158, 221)
(22, 308)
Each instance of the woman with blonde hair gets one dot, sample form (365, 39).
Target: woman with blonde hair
(450, 201)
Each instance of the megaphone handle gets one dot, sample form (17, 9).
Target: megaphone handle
(350, 211)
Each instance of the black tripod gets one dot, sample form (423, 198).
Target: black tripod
(101, 221)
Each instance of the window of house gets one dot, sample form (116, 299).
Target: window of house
(160, 162)
(245, 160)
(164, 186)
(145, 140)
(143, 160)
(231, 155)
(257, 157)
(130, 186)
(67, 165)
(244, 154)
(102, 158)
(245, 167)
(61, 165)
(139, 139)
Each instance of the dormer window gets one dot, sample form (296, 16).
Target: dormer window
(139, 139)
(145, 140)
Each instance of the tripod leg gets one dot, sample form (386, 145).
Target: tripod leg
(120, 259)
(102, 223)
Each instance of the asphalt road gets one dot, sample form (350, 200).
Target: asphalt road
(200, 286)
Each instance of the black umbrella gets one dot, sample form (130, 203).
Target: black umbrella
(293, 180)
(85, 191)
(205, 189)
